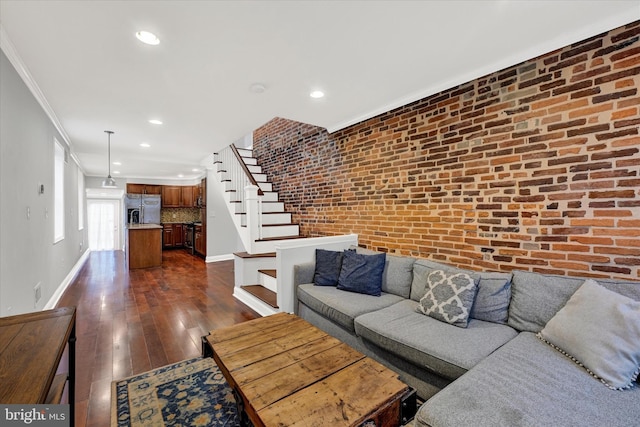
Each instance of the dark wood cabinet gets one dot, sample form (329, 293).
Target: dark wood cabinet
(172, 236)
(178, 235)
(187, 200)
(203, 193)
(144, 189)
(153, 189)
(179, 196)
(167, 236)
(171, 196)
(199, 240)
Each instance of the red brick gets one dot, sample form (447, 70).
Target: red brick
(549, 179)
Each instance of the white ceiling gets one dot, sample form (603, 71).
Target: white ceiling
(367, 56)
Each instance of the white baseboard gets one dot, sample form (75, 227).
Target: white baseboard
(67, 281)
(216, 258)
(252, 302)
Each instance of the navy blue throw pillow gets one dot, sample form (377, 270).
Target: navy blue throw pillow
(362, 273)
(328, 264)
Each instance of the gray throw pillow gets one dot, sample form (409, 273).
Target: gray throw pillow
(449, 297)
(600, 330)
(361, 273)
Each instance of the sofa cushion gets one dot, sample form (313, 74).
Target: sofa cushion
(449, 297)
(327, 267)
(430, 343)
(340, 306)
(600, 330)
(536, 298)
(397, 274)
(528, 383)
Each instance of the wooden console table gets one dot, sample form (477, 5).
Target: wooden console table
(31, 349)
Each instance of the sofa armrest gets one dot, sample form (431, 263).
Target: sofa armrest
(303, 273)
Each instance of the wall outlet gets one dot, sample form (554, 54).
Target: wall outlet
(37, 293)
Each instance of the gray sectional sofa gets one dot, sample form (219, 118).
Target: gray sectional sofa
(493, 372)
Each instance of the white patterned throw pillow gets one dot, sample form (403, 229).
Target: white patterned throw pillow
(449, 297)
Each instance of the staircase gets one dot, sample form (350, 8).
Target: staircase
(261, 221)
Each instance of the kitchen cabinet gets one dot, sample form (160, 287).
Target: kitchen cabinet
(171, 196)
(203, 193)
(172, 236)
(187, 200)
(178, 196)
(167, 236)
(200, 239)
(178, 235)
(144, 189)
(144, 245)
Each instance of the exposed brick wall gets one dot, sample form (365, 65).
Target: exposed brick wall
(539, 163)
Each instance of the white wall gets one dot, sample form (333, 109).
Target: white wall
(28, 255)
(222, 238)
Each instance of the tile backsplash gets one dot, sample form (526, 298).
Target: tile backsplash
(179, 215)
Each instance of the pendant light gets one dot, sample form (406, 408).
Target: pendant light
(109, 182)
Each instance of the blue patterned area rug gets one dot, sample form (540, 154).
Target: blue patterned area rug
(188, 393)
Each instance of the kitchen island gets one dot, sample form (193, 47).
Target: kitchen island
(144, 245)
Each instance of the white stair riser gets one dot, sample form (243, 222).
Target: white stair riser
(259, 177)
(270, 196)
(265, 186)
(276, 218)
(272, 206)
(269, 219)
(254, 169)
(280, 231)
(250, 161)
(244, 152)
(269, 282)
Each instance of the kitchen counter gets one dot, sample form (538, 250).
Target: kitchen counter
(143, 226)
(144, 245)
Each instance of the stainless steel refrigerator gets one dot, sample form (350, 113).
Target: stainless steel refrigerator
(143, 208)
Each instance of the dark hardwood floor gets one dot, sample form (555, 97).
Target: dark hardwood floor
(129, 322)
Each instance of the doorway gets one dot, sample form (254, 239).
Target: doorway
(104, 224)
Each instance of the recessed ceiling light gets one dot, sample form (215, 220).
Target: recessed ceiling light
(155, 122)
(317, 94)
(180, 175)
(117, 163)
(148, 38)
(116, 172)
(257, 88)
(195, 170)
(145, 145)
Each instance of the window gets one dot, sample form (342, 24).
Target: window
(58, 192)
(80, 199)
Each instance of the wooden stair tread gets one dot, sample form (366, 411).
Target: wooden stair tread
(270, 239)
(263, 294)
(248, 255)
(269, 272)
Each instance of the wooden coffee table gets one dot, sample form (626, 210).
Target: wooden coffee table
(286, 372)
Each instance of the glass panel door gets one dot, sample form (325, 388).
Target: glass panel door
(103, 224)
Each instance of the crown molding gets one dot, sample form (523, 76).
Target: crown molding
(14, 58)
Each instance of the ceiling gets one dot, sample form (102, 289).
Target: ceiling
(92, 74)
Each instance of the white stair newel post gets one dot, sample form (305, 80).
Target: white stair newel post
(253, 214)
